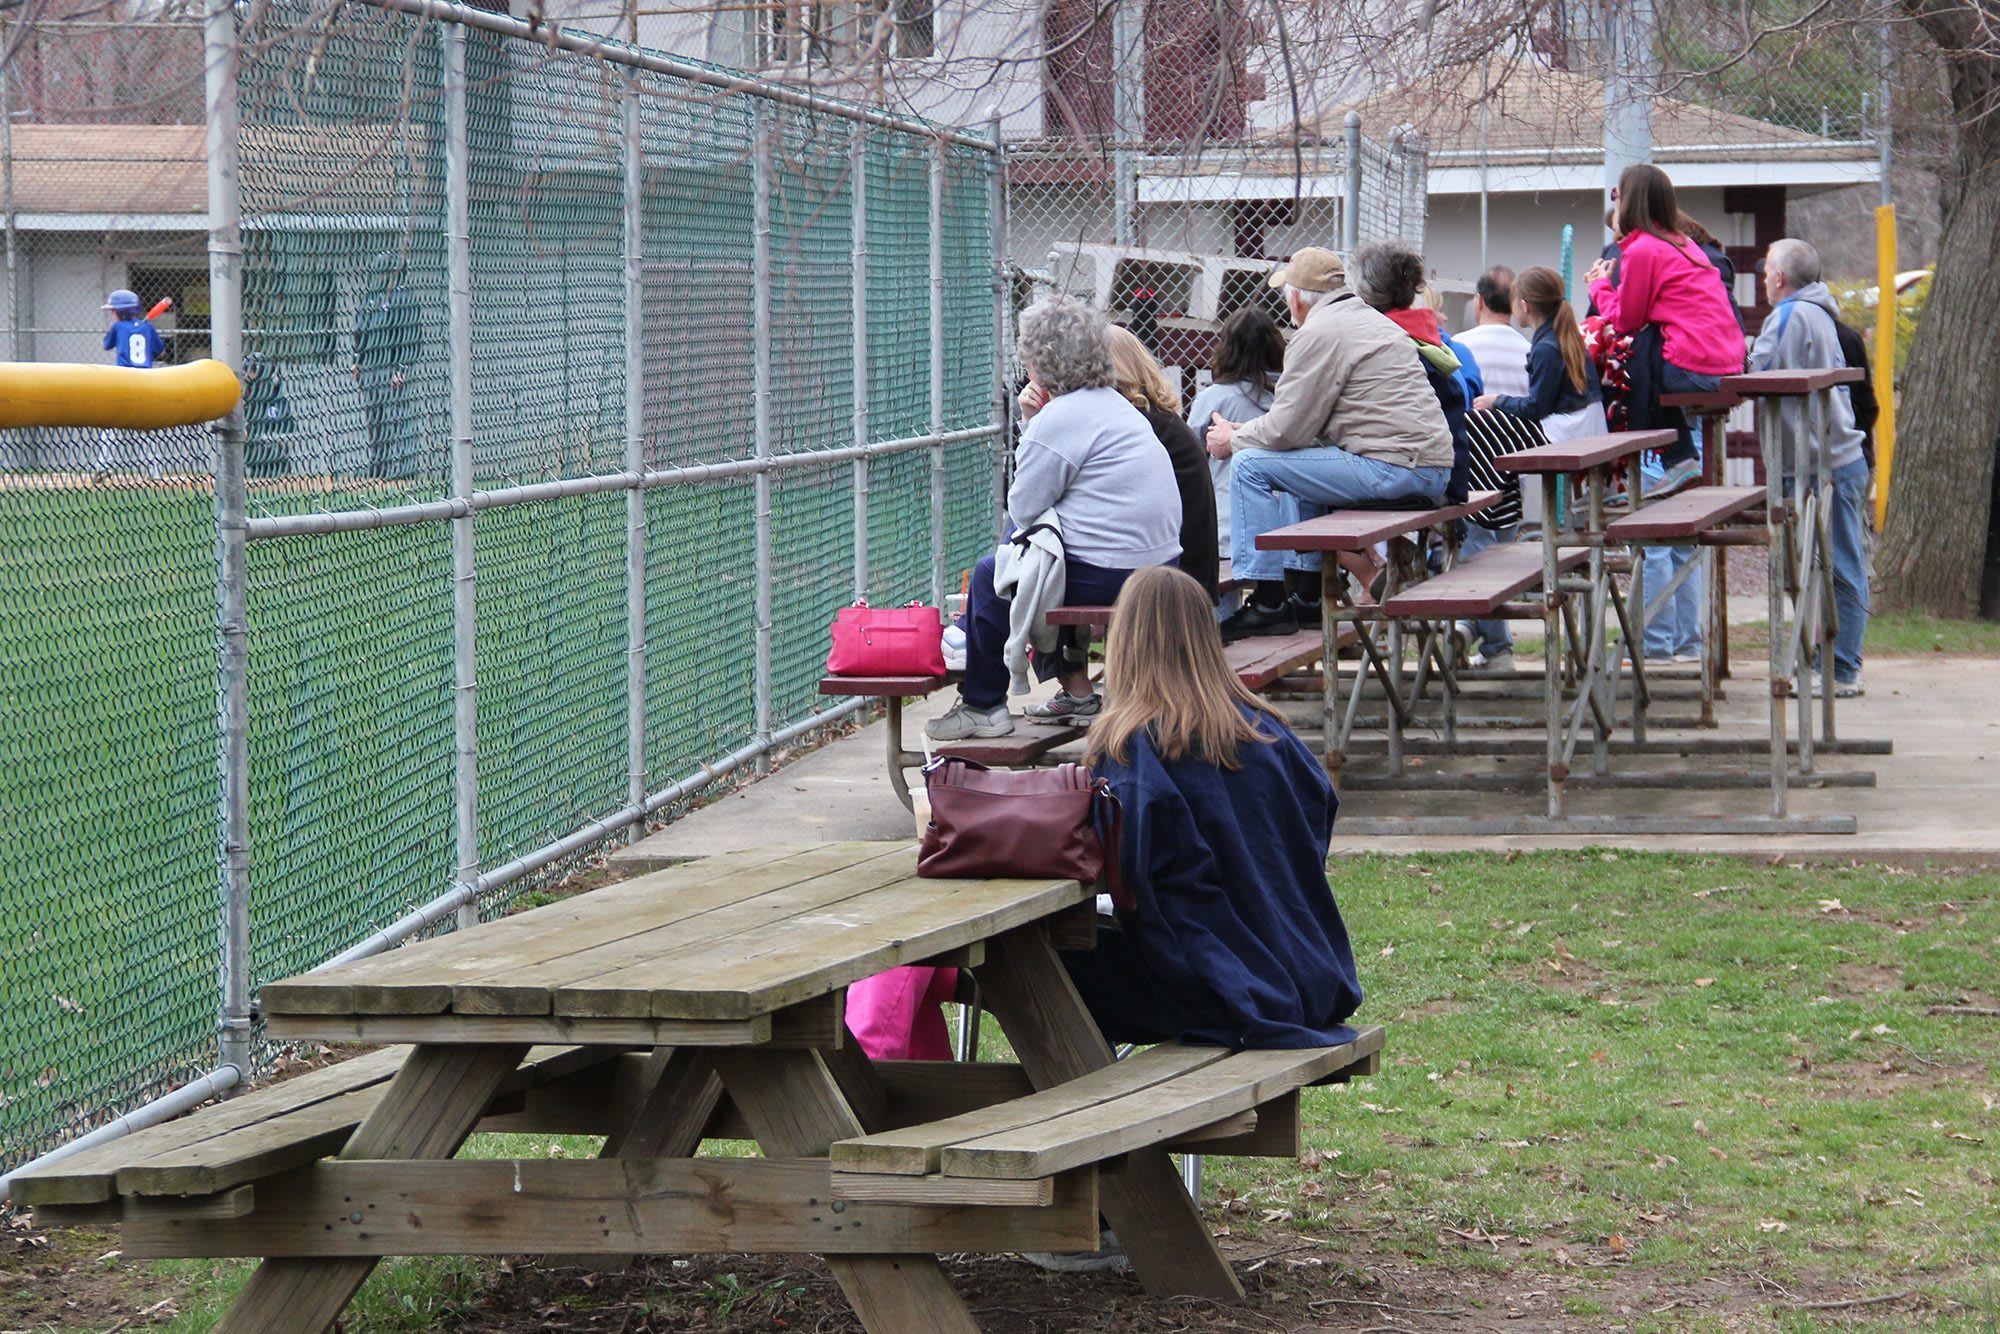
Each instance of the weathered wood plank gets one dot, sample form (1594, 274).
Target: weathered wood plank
(917, 1150)
(404, 979)
(527, 986)
(782, 962)
(796, 1110)
(611, 1206)
(227, 1204)
(1145, 1116)
(1276, 1134)
(943, 1190)
(1032, 996)
(431, 1105)
(524, 1028)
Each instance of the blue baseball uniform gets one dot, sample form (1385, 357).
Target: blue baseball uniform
(136, 342)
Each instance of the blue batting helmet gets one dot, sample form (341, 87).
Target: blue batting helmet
(122, 299)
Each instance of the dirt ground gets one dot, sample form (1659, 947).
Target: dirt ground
(68, 1280)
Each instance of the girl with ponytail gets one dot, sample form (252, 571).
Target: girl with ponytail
(1563, 394)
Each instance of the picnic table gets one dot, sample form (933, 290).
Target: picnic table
(704, 1002)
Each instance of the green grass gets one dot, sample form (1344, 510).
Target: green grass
(1912, 633)
(1633, 1073)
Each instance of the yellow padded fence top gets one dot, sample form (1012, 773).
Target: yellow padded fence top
(35, 393)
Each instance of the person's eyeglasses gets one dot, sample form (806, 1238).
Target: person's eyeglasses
(1614, 194)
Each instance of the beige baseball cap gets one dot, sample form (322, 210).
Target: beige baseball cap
(1312, 270)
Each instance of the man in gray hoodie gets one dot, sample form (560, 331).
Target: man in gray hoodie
(1799, 335)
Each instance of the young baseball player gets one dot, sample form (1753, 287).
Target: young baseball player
(133, 341)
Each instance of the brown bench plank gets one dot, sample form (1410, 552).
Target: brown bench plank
(1478, 586)
(903, 687)
(1353, 530)
(1259, 661)
(1758, 384)
(1685, 514)
(1704, 403)
(1030, 740)
(1581, 455)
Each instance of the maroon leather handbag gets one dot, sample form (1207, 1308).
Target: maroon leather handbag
(1061, 823)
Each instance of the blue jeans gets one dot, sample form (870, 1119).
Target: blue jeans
(1674, 380)
(1270, 488)
(1850, 567)
(1493, 637)
(986, 623)
(1677, 627)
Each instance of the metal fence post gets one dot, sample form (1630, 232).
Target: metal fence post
(635, 455)
(7, 203)
(760, 322)
(937, 371)
(1002, 325)
(1350, 222)
(858, 215)
(225, 282)
(458, 270)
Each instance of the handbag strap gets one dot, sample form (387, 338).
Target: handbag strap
(1108, 814)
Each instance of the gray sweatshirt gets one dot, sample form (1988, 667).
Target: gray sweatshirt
(1091, 457)
(1799, 336)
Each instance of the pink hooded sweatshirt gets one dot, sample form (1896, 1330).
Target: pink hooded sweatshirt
(1675, 287)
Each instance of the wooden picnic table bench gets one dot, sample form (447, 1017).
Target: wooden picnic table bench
(731, 973)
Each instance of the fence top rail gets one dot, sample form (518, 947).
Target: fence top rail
(713, 76)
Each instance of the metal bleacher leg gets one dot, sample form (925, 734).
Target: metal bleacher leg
(1829, 615)
(965, 1046)
(1552, 631)
(1191, 1175)
(1774, 592)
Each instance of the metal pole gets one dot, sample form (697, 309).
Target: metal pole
(1350, 221)
(225, 284)
(1631, 70)
(7, 202)
(1484, 66)
(1002, 324)
(1885, 133)
(858, 214)
(635, 453)
(938, 179)
(1128, 116)
(760, 391)
(464, 654)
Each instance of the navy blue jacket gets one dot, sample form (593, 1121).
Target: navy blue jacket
(1550, 392)
(1235, 919)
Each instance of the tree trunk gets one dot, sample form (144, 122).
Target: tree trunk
(1948, 404)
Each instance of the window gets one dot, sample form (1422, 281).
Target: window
(916, 27)
(782, 32)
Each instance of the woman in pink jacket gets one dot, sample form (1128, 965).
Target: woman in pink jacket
(1665, 280)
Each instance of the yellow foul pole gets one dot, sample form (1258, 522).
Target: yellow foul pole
(1885, 356)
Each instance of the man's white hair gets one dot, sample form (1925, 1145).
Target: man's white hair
(1796, 259)
(1307, 300)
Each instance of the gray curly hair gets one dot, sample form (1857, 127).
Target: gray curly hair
(1062, 345)
(1385, 275)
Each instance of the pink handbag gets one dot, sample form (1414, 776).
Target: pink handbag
(887, 641)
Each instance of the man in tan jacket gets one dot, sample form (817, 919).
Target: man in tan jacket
(1355, 421)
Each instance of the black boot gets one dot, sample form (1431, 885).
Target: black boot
(1268, 611)
(1302, 589)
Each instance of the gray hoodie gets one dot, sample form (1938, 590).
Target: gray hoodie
(1799, 336)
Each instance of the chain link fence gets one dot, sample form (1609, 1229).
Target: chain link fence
(581, 386)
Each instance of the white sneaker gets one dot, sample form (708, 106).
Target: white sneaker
(954, 648)
(962, 722)
(1687, 657)
(1841, 689)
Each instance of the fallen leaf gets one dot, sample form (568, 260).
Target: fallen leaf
(1773, 1225)
(1617, 1244)
(1388, 950)
(1704, 981)
(1310, 1160)
(1523, 929)
(1831, 905)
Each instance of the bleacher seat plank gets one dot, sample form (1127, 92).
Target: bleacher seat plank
(1263, 659)
(902, 687)
(1584, 453)
(1685, 514)
(1755, 384)
(1144, 1117)
(1353, 530)
(1477, 586)
(1030, 740)
(1704, 403)
(915, 1150)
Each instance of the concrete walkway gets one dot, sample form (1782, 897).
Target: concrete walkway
(1935, 799)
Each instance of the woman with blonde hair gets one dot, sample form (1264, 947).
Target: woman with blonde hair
(1236, 941)
(1141, 380)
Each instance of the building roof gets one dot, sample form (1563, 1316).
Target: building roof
(119, 170)
(1540, 113)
